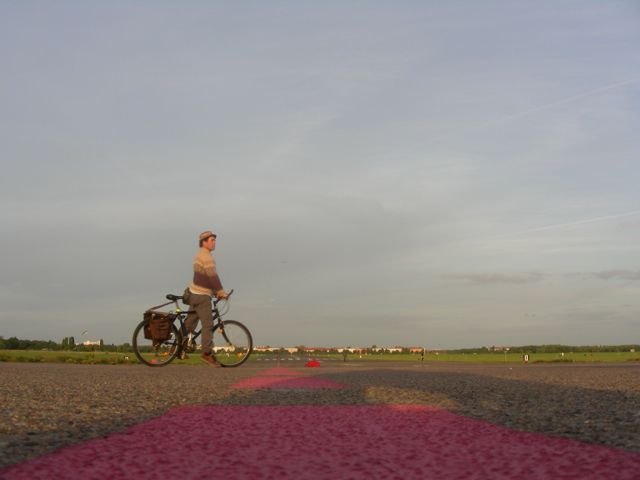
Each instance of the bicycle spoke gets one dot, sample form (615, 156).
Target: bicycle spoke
(232, 343)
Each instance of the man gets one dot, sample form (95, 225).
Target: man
(206, 284)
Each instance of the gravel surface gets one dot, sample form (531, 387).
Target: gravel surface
(46, 406)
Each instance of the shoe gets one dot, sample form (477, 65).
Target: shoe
(209, 360)
(183, 355)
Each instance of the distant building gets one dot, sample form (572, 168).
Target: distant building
(223, 349)
(350, 349)
(89, 343)
(266, 349)
(317, 349)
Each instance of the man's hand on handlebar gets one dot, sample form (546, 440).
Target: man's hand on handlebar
(222, 295)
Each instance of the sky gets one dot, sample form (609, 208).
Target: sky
(436, 174)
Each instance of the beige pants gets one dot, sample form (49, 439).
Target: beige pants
(201, 304)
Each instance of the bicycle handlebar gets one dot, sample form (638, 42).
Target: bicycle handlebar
(215, 302)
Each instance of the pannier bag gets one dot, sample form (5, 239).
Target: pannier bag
(158, 326)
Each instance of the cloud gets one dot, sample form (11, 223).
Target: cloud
(497, 278)
(631, 275)
(572, 223)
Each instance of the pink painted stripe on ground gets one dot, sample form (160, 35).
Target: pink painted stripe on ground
(281, 372)
(316, 442)
(284, 378)
(287, 383)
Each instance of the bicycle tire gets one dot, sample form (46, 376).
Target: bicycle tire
(160, 354)
(232, 344)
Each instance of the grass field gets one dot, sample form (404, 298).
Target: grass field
(112, 358)
(87, 358)
(511, 357)
(36, 356)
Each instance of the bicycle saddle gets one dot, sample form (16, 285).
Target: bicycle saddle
(173, 298)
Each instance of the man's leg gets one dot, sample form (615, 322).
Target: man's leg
(191, 322)
(204, 313)
(201, 305)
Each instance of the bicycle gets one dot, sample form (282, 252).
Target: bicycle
(232, 341)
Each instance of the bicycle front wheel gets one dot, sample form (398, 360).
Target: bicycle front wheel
(156, 354)
(232, 343)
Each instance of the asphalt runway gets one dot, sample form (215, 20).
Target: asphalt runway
(352, 419)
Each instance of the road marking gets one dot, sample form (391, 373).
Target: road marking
(284, 378)
(339, 441)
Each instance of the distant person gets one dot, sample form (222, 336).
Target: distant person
(206, 284)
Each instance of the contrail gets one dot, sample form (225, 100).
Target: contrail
(569, 224)
(533, 110)
(588, 93)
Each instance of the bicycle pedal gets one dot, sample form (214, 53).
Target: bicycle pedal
(189, 347)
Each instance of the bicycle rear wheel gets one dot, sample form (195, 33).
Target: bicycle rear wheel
(156, 354)
(232, 343)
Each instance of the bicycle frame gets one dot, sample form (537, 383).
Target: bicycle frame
(181, 316)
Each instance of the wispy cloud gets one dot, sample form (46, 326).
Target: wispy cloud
(497, 278)
(628, 275)
(568, 224)
(572, 98)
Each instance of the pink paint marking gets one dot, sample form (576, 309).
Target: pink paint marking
(358, 442)
(281, 372)
(284, 378)
(287, 383)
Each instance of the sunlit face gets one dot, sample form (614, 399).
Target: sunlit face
(210, 243)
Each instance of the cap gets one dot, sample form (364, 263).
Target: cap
(207, 234)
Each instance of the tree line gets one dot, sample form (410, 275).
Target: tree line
(67, 343)
(554, 348)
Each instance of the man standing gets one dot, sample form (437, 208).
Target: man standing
(206, 284)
